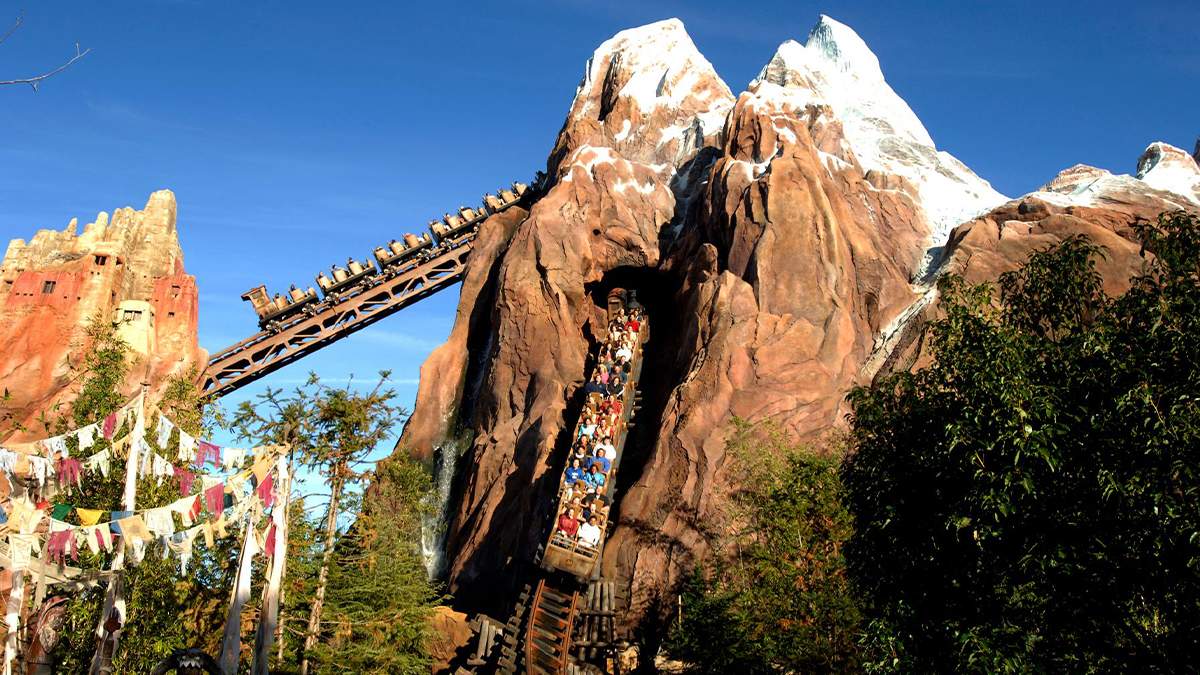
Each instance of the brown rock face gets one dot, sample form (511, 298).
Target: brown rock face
(127, 270)
(782, 242)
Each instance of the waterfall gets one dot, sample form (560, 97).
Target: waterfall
(434, 522)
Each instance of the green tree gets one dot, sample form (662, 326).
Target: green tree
(358, 593)
(380, 596)
(1029, 502)
(776, 598)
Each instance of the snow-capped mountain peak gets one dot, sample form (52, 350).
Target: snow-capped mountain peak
(836, 68)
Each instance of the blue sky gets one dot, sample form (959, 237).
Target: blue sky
(295, 134)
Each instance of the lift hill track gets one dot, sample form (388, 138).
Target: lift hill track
(356, 296)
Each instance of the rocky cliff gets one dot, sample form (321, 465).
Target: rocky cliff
(126, 269)
(783, 240)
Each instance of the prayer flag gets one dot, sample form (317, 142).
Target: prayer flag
(89, 516)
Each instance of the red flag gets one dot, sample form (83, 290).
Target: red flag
(265, 491)
(110, 425)
(214, 498)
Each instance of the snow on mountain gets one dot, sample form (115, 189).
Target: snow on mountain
(661, 64)
(834, 67)
(1168, 168)
(648, 93)
(1164, 171)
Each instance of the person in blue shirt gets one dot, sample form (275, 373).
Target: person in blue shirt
(574, 473)
(595, 478)
(603, 458)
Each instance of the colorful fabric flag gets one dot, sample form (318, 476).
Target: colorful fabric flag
(186, 478)
(159, 522)
(266, 491)
(89, 516)
(69, 472)
(262, 467)
(133, 530)
(188, 509)
(270, 544)
(61, 511)
(56, 446)
(20, 549)
(187, 447)
(214, 499)
(208, 452)
(86, 437)
(61, 546)
(110, 425)
(165, 427)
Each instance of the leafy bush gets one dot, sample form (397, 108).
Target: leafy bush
(777, 598)
(1030, 501)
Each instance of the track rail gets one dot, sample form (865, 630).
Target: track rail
(378, 297)
(548, 638)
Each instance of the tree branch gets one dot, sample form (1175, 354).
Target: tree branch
(37, 79)
(15, 26)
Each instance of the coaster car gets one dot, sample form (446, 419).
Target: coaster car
(281, 306)
(398, 252)
(344, 277)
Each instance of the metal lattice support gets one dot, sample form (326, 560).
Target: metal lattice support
(267, 351)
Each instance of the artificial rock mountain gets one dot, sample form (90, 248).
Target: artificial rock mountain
(128, 270)
(784, 241)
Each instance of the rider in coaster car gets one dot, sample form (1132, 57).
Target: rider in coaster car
(574, 472)
(594, 386)
(589, 533)
(568, 524)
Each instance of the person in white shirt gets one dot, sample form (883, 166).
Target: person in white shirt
(625, 351)
(589, 533)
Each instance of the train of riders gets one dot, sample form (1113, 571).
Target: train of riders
(584, 502)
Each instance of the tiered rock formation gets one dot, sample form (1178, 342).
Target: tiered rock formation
(784, 242)
(127, 269)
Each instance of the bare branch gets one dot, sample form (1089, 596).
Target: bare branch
(15, 26)
(36, 80)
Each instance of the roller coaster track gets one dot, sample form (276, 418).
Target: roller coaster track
(379, 296)
(548, 638)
